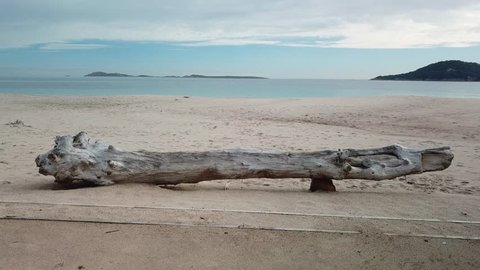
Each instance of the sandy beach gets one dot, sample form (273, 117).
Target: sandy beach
(450, 198)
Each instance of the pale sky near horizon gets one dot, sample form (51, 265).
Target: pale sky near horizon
(278, 39)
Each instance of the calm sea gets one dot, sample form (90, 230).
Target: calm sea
(271, 88)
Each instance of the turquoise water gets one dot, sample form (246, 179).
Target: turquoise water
(271, 88)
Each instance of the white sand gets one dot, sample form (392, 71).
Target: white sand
(170, 123)
(177, 123)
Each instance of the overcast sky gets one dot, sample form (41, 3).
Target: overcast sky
(125, 30)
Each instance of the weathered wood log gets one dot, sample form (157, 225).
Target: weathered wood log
(75, 158)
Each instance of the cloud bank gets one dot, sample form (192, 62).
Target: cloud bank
(308, 23)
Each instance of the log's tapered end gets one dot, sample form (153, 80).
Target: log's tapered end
(436, 159)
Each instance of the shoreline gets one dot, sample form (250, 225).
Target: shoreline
(272, 88)
(232, 97)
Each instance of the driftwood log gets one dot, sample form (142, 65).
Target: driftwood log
(75, 158)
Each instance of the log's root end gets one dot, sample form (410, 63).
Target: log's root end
(322, 184)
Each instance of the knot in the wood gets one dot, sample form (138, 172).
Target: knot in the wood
(81, 140)
(342, 155)
(347, 167)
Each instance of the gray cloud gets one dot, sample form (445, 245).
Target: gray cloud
(320, 23)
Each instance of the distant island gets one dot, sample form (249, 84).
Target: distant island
(105, 74)
(194, 76)
(451, 70)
